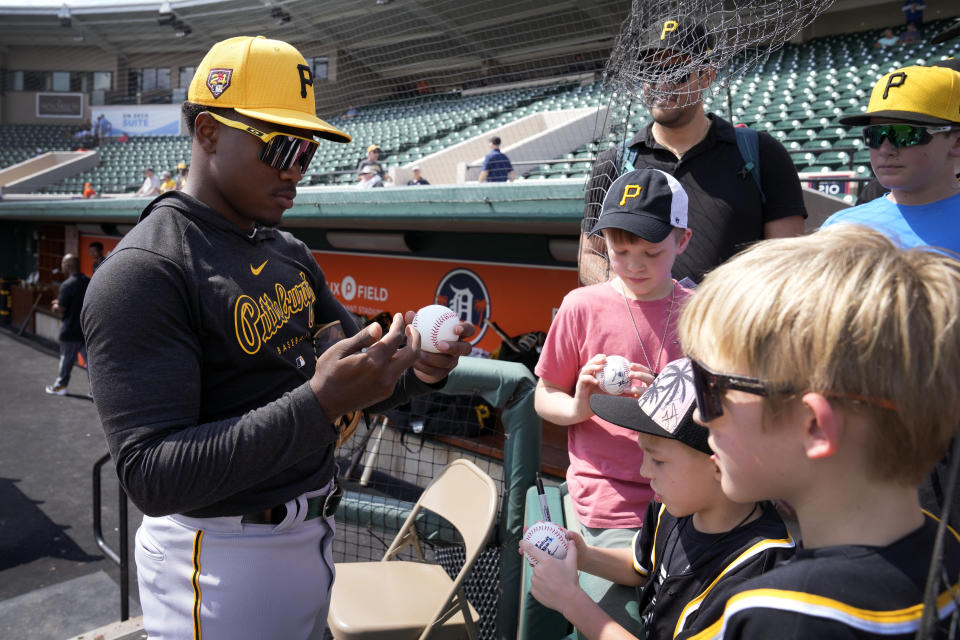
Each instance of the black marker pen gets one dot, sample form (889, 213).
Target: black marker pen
(543, 499)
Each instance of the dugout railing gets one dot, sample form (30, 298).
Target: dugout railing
(121, 556)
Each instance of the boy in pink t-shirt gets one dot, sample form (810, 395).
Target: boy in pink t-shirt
(644, 223)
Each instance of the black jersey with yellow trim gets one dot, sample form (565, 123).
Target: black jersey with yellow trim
(850, 591)
(687, 569)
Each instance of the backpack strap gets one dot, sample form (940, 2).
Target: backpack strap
(748, 141)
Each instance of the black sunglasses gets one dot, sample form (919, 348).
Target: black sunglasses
(280, 150)
(899, 135)
(709, 386)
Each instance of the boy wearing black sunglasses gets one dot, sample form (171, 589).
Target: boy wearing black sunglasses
(695, 544)
(825, 370)
(912, 127)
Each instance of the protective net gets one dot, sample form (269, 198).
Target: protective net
(672, 55)
(666, 45)
(428, 82)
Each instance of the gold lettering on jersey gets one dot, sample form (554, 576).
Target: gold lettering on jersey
(668, 26)
(291, 343)
(630, 191)
(256, 321)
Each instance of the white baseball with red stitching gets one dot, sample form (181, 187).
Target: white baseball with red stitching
(614, 377)
(435, 323)
(546, 536)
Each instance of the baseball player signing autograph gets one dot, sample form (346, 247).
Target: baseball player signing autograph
(217, 413)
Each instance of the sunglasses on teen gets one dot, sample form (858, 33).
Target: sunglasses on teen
(280, 150)
(900, 135)
(709, 386)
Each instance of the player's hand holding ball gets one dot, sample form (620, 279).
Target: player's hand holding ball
(441, 341)
(363, 369)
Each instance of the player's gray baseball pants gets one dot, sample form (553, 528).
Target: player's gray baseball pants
(223, 579)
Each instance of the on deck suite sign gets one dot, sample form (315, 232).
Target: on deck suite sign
(59, 105)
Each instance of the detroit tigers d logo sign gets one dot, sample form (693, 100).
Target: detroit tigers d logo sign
(463, 292)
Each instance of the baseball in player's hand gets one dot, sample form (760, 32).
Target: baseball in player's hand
(554, 582)
(434, 367)
(364, 369)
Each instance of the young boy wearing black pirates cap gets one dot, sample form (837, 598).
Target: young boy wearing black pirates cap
(695, 543)
(643, 223)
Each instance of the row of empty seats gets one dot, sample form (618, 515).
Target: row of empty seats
(797, 96)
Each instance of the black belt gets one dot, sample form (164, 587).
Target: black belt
(317, 506)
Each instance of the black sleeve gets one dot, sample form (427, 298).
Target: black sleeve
(643, 547)
(781, 185)
(68, 293)
(145, 363)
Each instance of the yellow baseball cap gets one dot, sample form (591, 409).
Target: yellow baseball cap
(924, 95)
(261, 78)
(373, 147)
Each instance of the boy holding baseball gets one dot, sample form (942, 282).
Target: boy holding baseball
(826, 372)
(696, 544)
(643, 220)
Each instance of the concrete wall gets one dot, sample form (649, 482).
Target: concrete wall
(20, 107)
(53, 166)
(819, 207)
(536, 137)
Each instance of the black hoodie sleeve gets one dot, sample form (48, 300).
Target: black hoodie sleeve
(146, 369)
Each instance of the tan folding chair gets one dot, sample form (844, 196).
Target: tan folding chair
(401, 600)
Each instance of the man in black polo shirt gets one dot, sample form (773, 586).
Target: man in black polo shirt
(69, 302)
(727, 210)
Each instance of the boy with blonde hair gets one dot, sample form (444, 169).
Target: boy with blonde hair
(643, 220)
(826, 371)
(695, 545)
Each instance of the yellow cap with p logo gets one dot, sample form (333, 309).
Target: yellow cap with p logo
(261, 78)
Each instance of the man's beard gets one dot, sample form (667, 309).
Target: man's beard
(673, 117)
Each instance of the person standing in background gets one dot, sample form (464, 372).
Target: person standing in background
(96, 254)
(69, 302)
(418, 178)
(496, 165)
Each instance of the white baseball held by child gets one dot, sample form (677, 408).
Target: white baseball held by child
(549, 537)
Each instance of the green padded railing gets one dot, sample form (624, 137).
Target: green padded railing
(509, 386)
